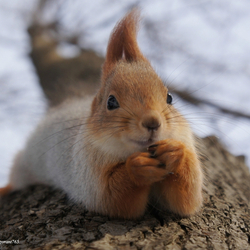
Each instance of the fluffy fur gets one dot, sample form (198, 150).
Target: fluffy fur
(116, 161)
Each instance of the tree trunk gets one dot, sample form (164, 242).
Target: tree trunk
(40, 217)
(62, 78)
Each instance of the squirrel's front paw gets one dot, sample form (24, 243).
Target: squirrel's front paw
(182, 188)
(170, 152)
(143, 169)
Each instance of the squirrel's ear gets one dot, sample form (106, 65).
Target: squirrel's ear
(122, 43)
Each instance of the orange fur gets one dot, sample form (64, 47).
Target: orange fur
(123, 44)
(127, 185)
(5, 190)
(129, 76)
(121, 197)
(182, 187)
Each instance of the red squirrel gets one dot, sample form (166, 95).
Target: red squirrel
(121, 149)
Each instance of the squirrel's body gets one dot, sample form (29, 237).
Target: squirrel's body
(118, 150)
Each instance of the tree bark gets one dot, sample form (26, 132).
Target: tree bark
(43, 218)
(62, 78)
(40, 217)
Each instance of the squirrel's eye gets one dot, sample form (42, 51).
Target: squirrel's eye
(169, 98)
(112, 103)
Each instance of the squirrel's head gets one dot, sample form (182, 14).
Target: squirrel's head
(132, 110)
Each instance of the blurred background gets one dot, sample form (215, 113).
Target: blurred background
(201, 49)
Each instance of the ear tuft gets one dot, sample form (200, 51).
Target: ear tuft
(122, 43)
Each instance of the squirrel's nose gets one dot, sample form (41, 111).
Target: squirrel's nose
(151, 122)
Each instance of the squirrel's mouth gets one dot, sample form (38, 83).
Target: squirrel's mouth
(143, 143)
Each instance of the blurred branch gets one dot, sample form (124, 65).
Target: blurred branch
(197, 101)
(37, 13)
(61, 78)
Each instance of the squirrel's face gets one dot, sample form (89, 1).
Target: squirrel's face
(133, 109)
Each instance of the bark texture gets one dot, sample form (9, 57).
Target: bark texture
(43, 218)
